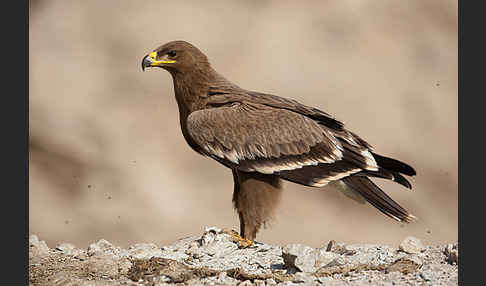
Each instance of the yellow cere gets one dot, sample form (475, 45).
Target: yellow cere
(153, 57)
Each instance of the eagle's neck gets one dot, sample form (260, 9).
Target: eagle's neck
(191, 88)
(191, 91)
(188, 94)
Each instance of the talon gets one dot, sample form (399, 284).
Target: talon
(243, 242)
(240, 241)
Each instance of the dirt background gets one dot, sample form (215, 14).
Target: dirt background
(108, 160)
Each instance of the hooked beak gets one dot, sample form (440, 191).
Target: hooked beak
(150, 60)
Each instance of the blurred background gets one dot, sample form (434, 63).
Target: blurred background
(107, 157)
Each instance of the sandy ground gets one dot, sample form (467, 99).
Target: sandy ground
(107, 158)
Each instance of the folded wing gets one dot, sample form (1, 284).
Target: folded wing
(254, 137)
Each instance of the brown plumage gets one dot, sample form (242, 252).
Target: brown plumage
(264, 138)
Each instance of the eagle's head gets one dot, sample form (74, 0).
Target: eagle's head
(175, 57)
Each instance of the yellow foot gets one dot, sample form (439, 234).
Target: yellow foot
(240, 241)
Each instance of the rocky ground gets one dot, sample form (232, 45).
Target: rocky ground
(216, 259)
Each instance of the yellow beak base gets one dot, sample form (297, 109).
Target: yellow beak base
(153, 57)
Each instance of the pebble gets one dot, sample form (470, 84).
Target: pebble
(411, 245)
(71, 250)
(65, 246)
(270, 282)
(305, 258)
(144, 251)
(100, 247)
(452, 254)
(305, 278)
(222, 276)
(428, 275)
(294, 255)
(259, 282)
(37, 247)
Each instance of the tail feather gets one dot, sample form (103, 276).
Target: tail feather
(394, 165)
(401, 180)
(376, 197)
(391, 169)
(386, 174)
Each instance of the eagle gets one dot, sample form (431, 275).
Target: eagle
(264, 139)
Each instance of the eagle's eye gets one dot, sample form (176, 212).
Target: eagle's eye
(172, 53)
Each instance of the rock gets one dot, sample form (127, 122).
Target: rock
(259, 282)
(305, 278)
(325, 280)
(213, 243)
(305, 258)
(37, 247)
(71, 250)
(144, 251)
(291, 252)
(451, 253)
(270, 282)
(213, 229)
(81, 255)
(101, 247)
(411, 245)
(207, 238)
(339, 248)
(428, 275)
(222, 276)
(325, 258)
(65, 246)
(33, 240)
(415, 260)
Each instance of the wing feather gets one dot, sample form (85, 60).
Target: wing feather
(256, 137)
(262, 136)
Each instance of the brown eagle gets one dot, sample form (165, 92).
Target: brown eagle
(265, 138)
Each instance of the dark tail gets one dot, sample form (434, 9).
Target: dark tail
(394, 165)
(391, 169)
(376, 197)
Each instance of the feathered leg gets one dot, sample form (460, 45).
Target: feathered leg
(255, 198)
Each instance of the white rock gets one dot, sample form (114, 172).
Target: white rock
(144, 251)
(270, 282)
(37, 247)
(245, 283)
(411, 245)
(100, 247)
(452, 253)
(305, 258)
(65, 246)
(222, 276)
(213, 229)
(258, 282)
